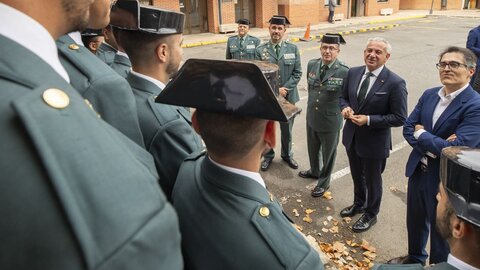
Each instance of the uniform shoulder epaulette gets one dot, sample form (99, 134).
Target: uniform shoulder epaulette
(263, 44)
(343, 64)
(196, 155)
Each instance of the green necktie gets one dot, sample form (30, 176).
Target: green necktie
(277, 50)
(363, 88)
(323, 72)
(241, 42)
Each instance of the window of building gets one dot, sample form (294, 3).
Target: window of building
(337, 2)
(145, 2)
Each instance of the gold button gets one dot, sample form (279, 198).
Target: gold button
(316, 108)
(317, 100)
(56, 98)
(73, 47)
(264, 211)
(321, 84)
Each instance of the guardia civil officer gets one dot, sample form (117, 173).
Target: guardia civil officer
(242, 46)
(121, 62)
(325, 77)
(74, 193)
(458, 210)
(228, 219)
(287, 56)
(156, 54)
(92, 39)
(101, 87)
(108, 49)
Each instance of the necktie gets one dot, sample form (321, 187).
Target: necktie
(241, 42)
(277, 49)
(363, 88)
(323, 72)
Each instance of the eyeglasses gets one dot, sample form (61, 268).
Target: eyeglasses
(326, 48)
(452, 65)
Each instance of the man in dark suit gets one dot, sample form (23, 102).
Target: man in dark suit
(374, 99)
(156, 56)
(74, 193)
(444, 116)
(473, 43)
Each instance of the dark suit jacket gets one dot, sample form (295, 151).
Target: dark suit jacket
(462, 117)
(385, 103)
(222, 226)
(74, 193)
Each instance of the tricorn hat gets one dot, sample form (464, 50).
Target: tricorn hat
(130, 15)
(92, 32)
(243, 21)
(279, 19)
(224, 86)
(460, 175)
(332, 39)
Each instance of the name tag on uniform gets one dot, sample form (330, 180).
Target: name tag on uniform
(289, 56)
(335, 81)
(251, 46)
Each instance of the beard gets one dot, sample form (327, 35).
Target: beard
(78, 13)
(443, 224)
(172, 68)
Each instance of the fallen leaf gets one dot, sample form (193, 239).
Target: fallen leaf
(300, 228)
(325, 223)
(328, 208)
(354, 251)
(334, 229)
(335, 222)
(324, 230)
(307, 219)
(327, 195)
(347, 219)
(295, 211)
(393, 189)
(329, 218)
(366, 246)
(309, 211)
(298, 200)
(370, 255)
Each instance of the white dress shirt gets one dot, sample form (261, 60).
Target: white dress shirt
(373, 78)
(77, 37)
(150, 79)
(251, 175)
(455, 262)
(30, 34)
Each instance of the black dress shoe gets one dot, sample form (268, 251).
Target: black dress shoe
(307, 174)
(319, 191)
(291, 162)
(351, 211)
(266, 163)
(402, 260)
(364, 223)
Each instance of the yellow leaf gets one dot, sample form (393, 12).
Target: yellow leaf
(324, 230)
(334, 229)
(327, 195)
(309, 211)
(307, 219)
(295, 211)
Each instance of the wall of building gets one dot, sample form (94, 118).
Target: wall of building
(264, 10)
(302, 12)
(426, 4)
(166, 4)
(373, 7)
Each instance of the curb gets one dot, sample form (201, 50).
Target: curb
(397, 19)
(297, 39)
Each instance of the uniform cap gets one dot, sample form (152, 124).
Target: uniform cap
(460, 174)
(92, 32)
(243, 21)
(224, 86)
(130, 15)
(332, 39)
(279, 19)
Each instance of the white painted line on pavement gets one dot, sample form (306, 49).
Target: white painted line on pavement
(346, 171)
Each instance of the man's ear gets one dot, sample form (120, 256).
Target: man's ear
(459, 227)
(195, 125)
(92, 46)
(162, 52)
(269, 136)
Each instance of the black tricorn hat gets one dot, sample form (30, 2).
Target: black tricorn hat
(460, 175)
(243, 21)
(224, 86)
(333, 39)
(92, 32)
(279, 19)
(130, 15)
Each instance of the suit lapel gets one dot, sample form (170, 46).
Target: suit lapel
(429, 106)
(456, 104)
(353, 90)
(271, 51)
(283, 49)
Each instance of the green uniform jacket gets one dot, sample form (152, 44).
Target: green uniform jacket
(167, 131)
(108, 93)
(121, 65)
(323, 110)
(245, 52)
(106, 53)
(229, 221)
(440, 266)
(289, 64)
(74, 193)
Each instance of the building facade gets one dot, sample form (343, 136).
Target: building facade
(216, 16)
(439, 4)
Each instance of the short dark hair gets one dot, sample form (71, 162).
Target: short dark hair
(228, 135)
(468, 55)
(139, 46)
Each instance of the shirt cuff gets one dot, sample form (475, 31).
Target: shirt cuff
(368, 120)
(419, 132)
